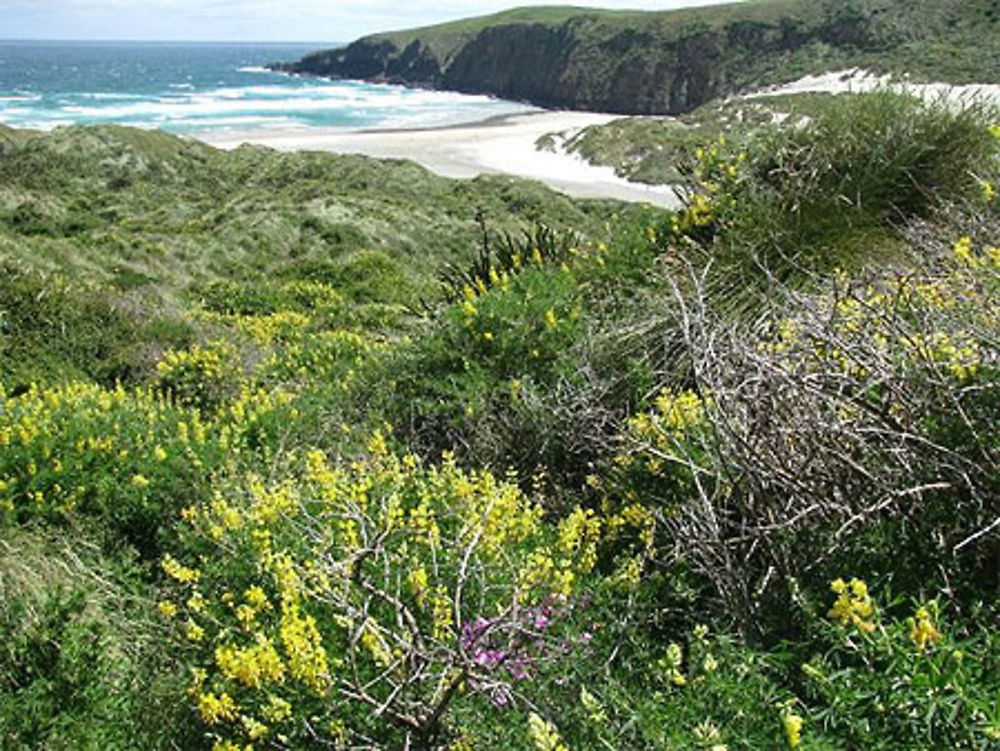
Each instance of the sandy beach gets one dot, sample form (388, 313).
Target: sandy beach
(504, 145)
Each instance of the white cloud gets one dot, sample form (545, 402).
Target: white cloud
(340, 20)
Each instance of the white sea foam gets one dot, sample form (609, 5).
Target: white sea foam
(299, 103)
(110, 96)
(382, 107)
(253, 69)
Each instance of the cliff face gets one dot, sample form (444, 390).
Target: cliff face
(652, 63)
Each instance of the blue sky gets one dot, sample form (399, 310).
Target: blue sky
(257, 20)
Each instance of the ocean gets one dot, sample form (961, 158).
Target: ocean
(197, 87)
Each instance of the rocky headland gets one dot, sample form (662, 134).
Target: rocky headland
(661, 63)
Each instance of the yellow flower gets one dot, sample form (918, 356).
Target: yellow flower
(963, 251)
(214, 709)
(550, 319)
(922, 630)
(180, 573)
(167, 609)
(792, 724)
(256, 598)
(544, 735)
(277, 709)
(194, 632)
(853, 605)
(196, 602)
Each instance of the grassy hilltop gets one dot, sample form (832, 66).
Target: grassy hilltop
(669, 62)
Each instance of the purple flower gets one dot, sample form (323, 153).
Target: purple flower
(489, 657)
(500, 697)
(519, 669)
(472, 631)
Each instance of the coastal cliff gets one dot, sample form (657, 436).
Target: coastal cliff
(665, 63)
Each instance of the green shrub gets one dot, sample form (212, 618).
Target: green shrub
(51, 329)
(82, 664)
(885, 682)
(799, 200)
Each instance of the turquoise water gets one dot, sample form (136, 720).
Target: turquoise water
(196, 87)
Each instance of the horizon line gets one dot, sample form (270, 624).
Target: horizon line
(100, 40)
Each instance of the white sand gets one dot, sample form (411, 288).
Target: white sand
(504, 145)
(857, 80)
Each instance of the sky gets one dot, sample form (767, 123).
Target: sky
(253, 20)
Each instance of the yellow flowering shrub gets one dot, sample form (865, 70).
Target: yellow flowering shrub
(128, 459)
(201, 376)
(718, 168)
(375, 584)
(887, 678)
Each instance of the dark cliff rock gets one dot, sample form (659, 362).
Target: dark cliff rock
(640, 63)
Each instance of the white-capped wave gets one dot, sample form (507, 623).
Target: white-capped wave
(297, 103)
(252, 69)
(110, 96)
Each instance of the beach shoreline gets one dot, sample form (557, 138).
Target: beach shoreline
(499, 145)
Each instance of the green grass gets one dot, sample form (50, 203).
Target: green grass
(661, 150)
(137, 223)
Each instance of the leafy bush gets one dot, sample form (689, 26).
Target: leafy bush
(910, 682)
(83, 664)
(51, 329)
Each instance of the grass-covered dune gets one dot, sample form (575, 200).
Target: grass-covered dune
(719, 478)
(120, 226)
(669, 62)
(663, 150)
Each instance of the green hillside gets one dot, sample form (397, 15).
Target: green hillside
(301, 451)
(143, 222)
